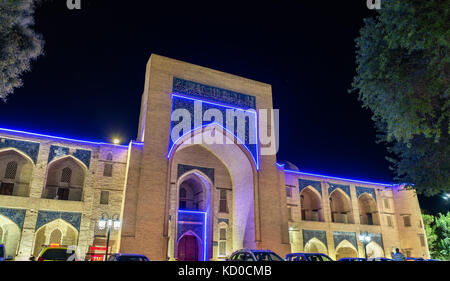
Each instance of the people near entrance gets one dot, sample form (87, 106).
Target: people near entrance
(398, 256)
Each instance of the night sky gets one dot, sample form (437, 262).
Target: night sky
(89, 83)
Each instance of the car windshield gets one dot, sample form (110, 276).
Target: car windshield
(57, 254)
(266, 256)
(318, 258)
(132, 258)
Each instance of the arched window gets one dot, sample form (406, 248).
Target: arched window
(222, 242)
(55, 237)
(11, 170)
(109, 157)
(66, 175)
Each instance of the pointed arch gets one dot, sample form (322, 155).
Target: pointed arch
(311, 204)
(374, 250)
(21, 153)
(345, 249)
(16, 171)
(341, 207)
(11, 233)
(43, 235)
(315, 246)
(368, 211)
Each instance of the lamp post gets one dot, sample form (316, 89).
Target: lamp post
(109, 222)
(364, 237)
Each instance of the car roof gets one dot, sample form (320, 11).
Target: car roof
(129, 255)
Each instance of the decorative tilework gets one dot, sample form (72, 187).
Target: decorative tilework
(370, 191)
(310, 234)
(377, 238)
(227, 221)
(305, 183)
(246, 131)
(333, 187)
(341, 236)
(45, 217)
(58, 151)
(213, 94)
(196, 225)
(16, 215)
(29, 148)
(182, 169)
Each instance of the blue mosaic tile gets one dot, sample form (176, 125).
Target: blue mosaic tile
(183, 169)
(377, 238)
(213, 94)
(196, 225)
(248, 132)
(370, 191)
(345, 188)
(45, 217)
(321, 235)
(339, 236)
(29, 148)
(58, 151)
(305, 183)
(16, 215)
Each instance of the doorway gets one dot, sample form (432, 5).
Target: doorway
(188, 248)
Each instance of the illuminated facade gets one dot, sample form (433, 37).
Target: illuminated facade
(180, 198)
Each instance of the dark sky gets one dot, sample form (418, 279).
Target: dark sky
(89, 83)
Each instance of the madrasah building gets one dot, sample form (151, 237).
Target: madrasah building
(177, 197)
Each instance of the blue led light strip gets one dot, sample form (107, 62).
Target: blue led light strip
(59, 138)
(205, 229)
(337, 178)
(221, 126)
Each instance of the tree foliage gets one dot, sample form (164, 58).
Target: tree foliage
(403, 78)
(437, 229)
(19, 43)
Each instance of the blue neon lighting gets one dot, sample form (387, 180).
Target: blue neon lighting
(59, 138)
(256, 153)
(337, 178)
(205, 229)
(204, 126)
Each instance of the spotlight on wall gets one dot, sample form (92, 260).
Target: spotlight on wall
(116, 141)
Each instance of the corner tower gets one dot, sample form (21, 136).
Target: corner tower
(195, 200)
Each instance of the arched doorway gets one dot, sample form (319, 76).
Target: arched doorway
(65, 179)
(56, 232)
(311, 205)
(10, 236)
(345, 249)
(16, 169)
(189, 248)
(341, 207)
(315, 246)
(238, 168)
(368, 210)
(374, 250)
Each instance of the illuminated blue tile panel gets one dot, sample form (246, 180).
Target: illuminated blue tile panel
(193, 222)
(182, 169)
(213, 94)
(305, 183)
(58, 151)
(377, 238)
(345, 188)
(318, 234)
(29, 148)
(370, 191)
(339, 236)
(16, 215)
(45, 217)
(188, 104)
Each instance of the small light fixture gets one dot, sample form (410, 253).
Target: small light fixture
(116, 141)
(117, 224)
(102, 224)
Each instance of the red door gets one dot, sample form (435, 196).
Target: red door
(188, 248)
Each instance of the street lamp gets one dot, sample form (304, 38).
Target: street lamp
(109, 222)
(364, 238)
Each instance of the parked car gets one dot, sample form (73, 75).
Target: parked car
(352, 259)
(57, 253)
(307, 257)
(433, 260)
(3, 256)
(379, 259)
(127, 257)
(254, 255)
